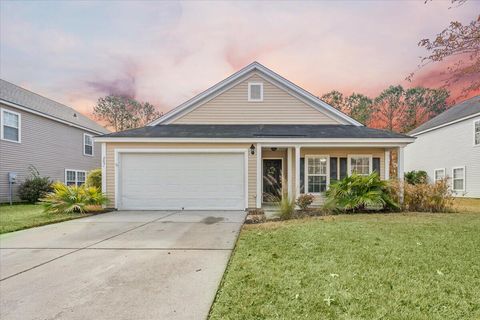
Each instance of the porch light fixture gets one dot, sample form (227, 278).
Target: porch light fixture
(252, 149)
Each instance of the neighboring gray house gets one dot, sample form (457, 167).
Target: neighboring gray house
(449, 146)
(54, 138)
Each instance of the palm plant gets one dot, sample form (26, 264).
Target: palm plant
(360, 193)
(72, 199)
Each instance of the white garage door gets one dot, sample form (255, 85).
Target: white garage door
(175, 181)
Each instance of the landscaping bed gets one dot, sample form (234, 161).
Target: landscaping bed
(376, 266)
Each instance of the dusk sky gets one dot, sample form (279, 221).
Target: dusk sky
(166, 52)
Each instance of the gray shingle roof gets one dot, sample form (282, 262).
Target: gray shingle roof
(27, 99)
(254, 131)
(459, 111)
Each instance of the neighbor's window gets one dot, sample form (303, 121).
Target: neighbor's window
(458, 177)
(10, 125)
(438, 175)
(316, 169)
(75, 177)
(360, 164)
(476, 130)
(87, 144)
(255, 91)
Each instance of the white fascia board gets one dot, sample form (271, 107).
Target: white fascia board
(445, 124)
(285, 142)
(230, 81)
(71, 124)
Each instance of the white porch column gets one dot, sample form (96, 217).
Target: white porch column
(289, 172)
(259, 176)
(297, 171)
(104, 167)
(400, 171)
(387, 164)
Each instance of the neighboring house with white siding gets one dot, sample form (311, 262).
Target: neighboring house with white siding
(36, 131)
(449, 146)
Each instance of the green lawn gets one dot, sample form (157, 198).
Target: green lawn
(23, 216)
(378, 266)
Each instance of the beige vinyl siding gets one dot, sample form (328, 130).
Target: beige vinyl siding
(110, 162)
(278, 107)
(343, 153)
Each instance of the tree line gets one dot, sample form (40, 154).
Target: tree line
(395, 108)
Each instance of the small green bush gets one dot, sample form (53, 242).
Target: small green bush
(360, 193)
(94, 179)
(304, 201)
(416, 177)
(72, 199)
(34, 187)
(286, 208)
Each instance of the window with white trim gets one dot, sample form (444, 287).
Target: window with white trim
(75, 177)
(10, 125)
(316, 170)
(360, 164)
(255, 91)
(458, 179)
(476, 132)
(87, 144)
(438, 175)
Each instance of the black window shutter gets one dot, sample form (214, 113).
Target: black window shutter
(343, 168)
(376, 165)
(302, 175)
(333, 169)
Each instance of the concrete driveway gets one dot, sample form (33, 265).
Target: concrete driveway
(119, 265)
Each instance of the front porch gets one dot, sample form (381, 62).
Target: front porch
(299, 169)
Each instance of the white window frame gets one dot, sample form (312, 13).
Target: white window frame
(76, 176)
(84, 144)
(2, 110)
(463, 178)
(370, 162)
(475, 122)
(306, 174)
(250, 84)
(435, 174)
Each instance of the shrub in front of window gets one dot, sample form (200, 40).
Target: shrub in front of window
(360, 193)
(94, 179)
(73, 199)
(416, 177)
(304, 201)
(34, 187)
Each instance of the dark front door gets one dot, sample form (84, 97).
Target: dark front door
(272, 180)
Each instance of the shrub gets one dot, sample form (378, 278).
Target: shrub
(426, 197)
(304, 201)
(416, 177)
(360, 193)
(34, 187)
(94, 179)
(286, 208)
(72, 199)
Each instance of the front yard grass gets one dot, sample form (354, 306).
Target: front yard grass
(23, 216)
(378, 266)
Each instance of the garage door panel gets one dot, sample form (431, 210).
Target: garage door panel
(178, 180)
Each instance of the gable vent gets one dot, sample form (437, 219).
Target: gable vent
(255, 91)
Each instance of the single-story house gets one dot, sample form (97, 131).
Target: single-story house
(52, 137)
(448, 146)
(240, 144)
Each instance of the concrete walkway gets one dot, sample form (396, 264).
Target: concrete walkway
(119, 265)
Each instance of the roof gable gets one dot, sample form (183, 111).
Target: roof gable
(307, 98)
